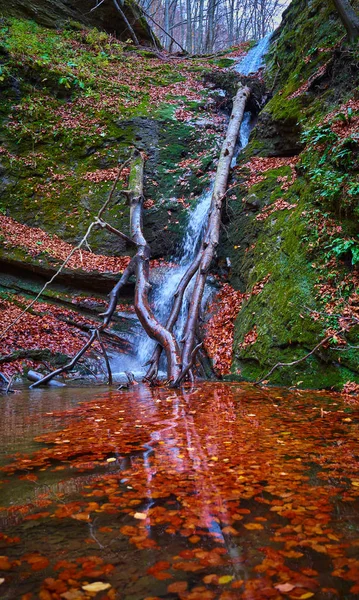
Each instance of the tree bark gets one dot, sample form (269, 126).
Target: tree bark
(211, 236)
(151, 325)
(349, 18)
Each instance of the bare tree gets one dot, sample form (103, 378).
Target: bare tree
(349, 18)
(205, 26)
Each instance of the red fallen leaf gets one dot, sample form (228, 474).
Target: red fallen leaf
(129, 530)
(5, 564)
(29, 477)
(161, 565)
(36, 516)
(81, 517)
(187, 566)
(177, 587)
(186, 553)
(211, 579)
(162, 575)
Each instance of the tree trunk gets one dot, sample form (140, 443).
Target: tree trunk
(153, 328)
(211, 237)
(349, 18)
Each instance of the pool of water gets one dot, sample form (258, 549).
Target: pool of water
(216, 491)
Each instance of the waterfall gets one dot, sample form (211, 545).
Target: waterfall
(169, 278)
(254, 58)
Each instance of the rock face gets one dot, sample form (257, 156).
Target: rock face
(57, 13)
(295, 214)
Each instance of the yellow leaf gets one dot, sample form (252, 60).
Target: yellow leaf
(215, 458)
(347, 420)
(96, 586)
(140, 515)
(253, 526)
(81, 516)
(355, 483)
(111, 459)
(306, 595)
(225, 579)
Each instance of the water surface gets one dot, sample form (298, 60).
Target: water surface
(219, 491)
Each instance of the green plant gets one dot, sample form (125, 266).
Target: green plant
(339, 247)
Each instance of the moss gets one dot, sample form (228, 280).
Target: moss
(74, 115)
(224, 63)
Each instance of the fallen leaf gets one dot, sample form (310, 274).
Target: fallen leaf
(253, 526)
(177, 587)
(139, 515)
(96, 586)
(284, 587)
(225, 579)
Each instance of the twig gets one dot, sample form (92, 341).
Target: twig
(294, 362)
(108, 366)
(109, 227)
(125, 19)
(97, 5)
(188, 368)
(8, 387)
(69, 365)
(164, 31)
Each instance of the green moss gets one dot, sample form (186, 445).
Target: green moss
(224, 63)
(75, 108)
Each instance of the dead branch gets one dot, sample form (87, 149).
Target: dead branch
(151, 325)
(172, 319)
(126, 21)
(69, 365)
(139, 266)
(188, 368)
(294, 362)
(123, 236)
(164, 31)
(211, 237)
(108, 366)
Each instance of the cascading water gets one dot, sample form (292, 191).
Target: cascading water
(253, 60)
(164, 289)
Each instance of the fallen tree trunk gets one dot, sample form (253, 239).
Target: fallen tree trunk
(211, 237)
(202, 262)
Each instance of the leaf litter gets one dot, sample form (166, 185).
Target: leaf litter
(201, 502)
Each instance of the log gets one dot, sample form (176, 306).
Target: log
(35, 376)
(211, 237)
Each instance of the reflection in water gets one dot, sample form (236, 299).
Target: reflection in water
(219, 491)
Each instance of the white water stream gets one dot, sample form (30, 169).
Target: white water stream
(164, 289)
